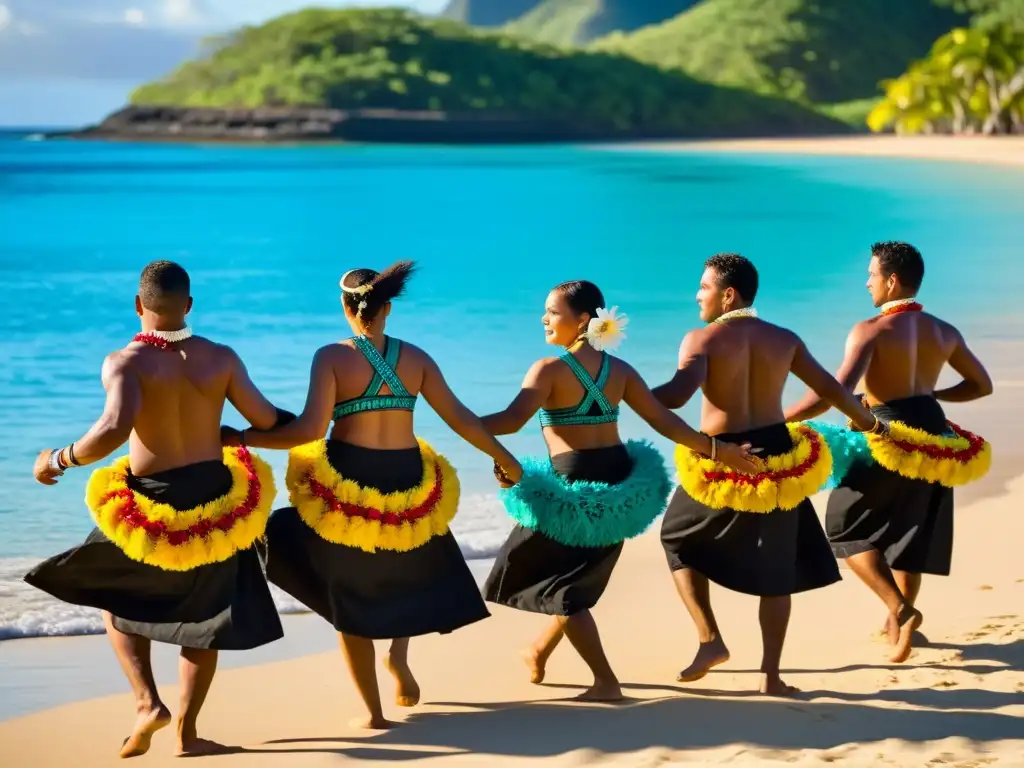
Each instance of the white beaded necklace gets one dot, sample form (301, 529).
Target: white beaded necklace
(891, 305)
(172, 336)
(745, 312)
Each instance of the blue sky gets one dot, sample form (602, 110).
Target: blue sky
(70, 62)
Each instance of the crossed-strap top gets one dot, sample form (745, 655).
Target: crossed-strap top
(594, 408)
(384, 373)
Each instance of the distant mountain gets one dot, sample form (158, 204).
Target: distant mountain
(577, 22)
(488, 13)
(821, 51)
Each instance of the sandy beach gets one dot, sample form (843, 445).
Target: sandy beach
(1002, 150)
(958, 701)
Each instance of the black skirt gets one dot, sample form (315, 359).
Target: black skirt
(378, 595)
(538, 574)
(765, 554)
(224, 606)
(909, 521)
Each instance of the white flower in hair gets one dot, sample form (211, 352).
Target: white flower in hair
(606, 330)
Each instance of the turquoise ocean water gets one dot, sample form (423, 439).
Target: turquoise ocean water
(266, 234)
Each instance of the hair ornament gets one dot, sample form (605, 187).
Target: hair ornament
(606, 331)
(359, 290)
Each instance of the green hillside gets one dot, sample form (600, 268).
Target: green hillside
(393, 59)
(577, 22)
(487, 13)
(823, 51)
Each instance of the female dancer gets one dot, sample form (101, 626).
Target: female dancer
(366, 543)
(574, 512)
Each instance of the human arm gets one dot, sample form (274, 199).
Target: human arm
(246, 396)
(830, 391)
(111, 430)
(976, 381)
(312, 423)
(690, 375)
(530, 399)
(639, 397)
(855, 364)
(463, 421)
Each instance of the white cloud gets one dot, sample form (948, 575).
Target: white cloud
(5, 17)
(134, 16)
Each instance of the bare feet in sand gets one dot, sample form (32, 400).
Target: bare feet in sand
(373, 723)
(196, 747)
(709, 655)
(407, 690)
(772, 685)
(602, 691)
(147, 723)
(535, 664)
(908, 621)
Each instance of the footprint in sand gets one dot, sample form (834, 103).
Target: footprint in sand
(985, 587)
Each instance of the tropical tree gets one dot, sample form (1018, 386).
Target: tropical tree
(971, 82)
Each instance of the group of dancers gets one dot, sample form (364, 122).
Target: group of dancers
(185, 542)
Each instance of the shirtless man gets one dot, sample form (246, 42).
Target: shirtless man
(165, 393)
(741, 364)
(891, 528)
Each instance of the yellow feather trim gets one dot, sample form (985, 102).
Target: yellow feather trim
(787, 479)
(946, 460)
(343, 512)
(157, 534)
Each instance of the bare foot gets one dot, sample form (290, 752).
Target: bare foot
(535, 664)
(602, 691)
(892, 629)
(772, 685)
(407, 690)
(373, 723)
(146, 725)
(198, 747)
(708, 655)
(909, 620)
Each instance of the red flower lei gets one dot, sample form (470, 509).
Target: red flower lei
(911, 307)
(154, 340)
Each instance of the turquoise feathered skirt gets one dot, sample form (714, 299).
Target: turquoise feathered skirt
(573, 513)
(586, 513)
(847, 446)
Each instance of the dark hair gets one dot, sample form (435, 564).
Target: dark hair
(736, 272)
(164, 287)
(582, 296)
(385, 286)
(902, 260)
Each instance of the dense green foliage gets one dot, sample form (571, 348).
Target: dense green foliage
(577, 22)
(987, 14)
(392, 59)
(487, 13)
(822, 51)
(971, 82)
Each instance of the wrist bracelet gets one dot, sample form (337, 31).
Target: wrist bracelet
(54, 462)
(71, 455)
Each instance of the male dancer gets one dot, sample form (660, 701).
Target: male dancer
(165, 394)
(889, 527)
(778, 548)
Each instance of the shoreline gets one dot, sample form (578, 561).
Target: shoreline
(991, 150)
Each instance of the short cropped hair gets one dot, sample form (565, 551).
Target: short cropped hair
(164, 286)
(736, 272)
(900, 259)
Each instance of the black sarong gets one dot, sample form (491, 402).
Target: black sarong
(909, 521)
(223, 606)
(378, 595)
(771, 554)
(538, 574)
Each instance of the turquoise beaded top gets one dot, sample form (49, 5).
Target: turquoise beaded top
(594, 408)
(383, 373)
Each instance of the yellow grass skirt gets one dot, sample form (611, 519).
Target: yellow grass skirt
(786, 480)
(950, 460)
(157, 534)
(343, 512)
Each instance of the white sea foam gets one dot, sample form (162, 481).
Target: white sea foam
(28, 612)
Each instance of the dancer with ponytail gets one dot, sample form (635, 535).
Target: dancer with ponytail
(575, 509)
(366, 542)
